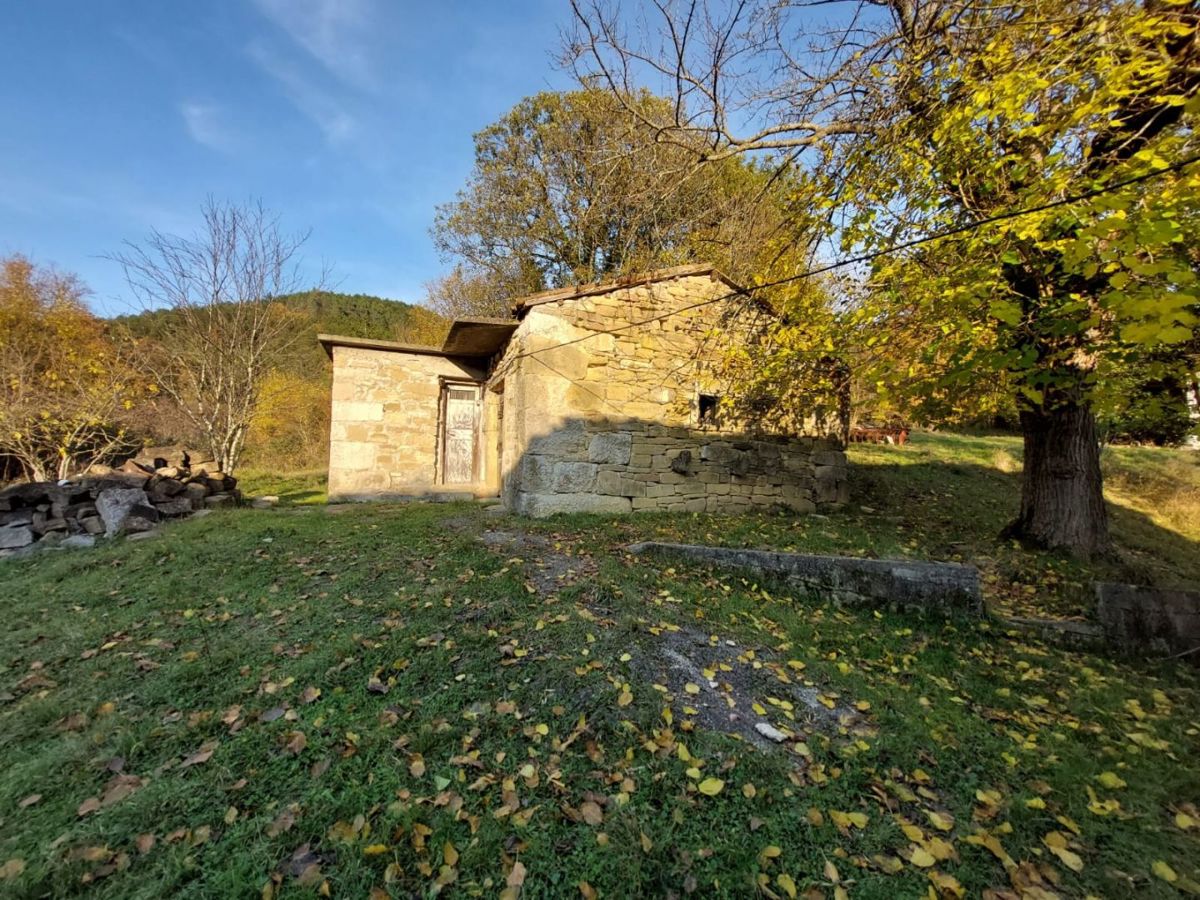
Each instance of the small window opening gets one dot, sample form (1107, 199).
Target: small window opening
(709, 404)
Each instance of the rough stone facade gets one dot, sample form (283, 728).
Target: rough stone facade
(645, 352)
(632, 466)
(604, 422)
(603, 399)
(383, 438)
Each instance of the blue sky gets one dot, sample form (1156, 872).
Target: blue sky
(350, 117)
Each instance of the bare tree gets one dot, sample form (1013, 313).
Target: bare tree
(225, 331)
(740, 76)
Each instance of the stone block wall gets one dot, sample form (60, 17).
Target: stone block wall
(906, 585)
(651, 368)
(384, 431)
(615, 467)
(609, 422)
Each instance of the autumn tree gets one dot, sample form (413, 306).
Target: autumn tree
(228, 331)
(1047, 143)
(290, 425)
(572, 187)
(65, 388)
(465, 292)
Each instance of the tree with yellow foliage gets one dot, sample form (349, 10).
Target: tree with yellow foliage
(1020, 183)
(64, 387)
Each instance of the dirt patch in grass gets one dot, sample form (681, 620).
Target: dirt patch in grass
(548, 566)
(721, 685)
(716, 684)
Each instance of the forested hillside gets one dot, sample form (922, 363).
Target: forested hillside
(291, 421)
(326, 312)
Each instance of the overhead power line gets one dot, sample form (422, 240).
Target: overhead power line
(875, 254)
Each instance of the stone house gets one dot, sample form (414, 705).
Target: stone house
(599, 398)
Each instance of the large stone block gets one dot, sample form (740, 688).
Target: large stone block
(574, 477)
(536, 474)
(1143, 620)
(800, 504)
(829, 458)
(13, 537)
(541, 505)
(924, 587)
(358, 411)
(827, 492)
(180, 506)
(352, 455)
(564, 441)
(119, 507)
(611, 447)
(619, 484)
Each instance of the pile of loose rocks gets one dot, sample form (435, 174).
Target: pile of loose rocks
(162, 483)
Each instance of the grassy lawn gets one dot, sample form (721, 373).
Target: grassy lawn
(947, 497)
(369, 701)
(302, 488)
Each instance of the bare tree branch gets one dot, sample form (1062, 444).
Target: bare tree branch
(226, 330)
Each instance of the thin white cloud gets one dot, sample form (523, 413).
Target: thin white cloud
(204, 123)
(108, 195)
(334, 32)
(329, 114)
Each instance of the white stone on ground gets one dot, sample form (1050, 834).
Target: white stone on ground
(770, 732)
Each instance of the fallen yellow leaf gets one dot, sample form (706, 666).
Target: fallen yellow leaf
(831, 872)
(940, 821)
(1056, 841)
(848, 820)
(1164, 871)
(711, 786)
(516, 878)
(947, 885)
(921, 858)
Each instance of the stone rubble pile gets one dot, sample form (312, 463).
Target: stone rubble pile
(160, 484)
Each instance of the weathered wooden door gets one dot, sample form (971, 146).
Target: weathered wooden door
(460, 435)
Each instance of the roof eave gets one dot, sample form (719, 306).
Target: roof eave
(478, 336)
(329, 341)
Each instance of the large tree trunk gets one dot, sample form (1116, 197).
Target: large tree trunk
(1062, 502)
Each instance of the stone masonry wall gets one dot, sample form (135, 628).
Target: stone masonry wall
(648, 370)
(383, 434)
(630, 466)
(608, 422)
